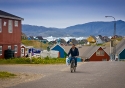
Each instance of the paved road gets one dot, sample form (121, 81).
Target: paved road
(88, 75)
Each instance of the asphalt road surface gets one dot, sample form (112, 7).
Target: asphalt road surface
(88, 75)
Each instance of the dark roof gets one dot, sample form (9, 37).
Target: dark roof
(106, 39)
(40, 37)
(93, 37)
(8, 15)
(101, 37)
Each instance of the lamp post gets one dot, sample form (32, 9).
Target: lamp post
(114, 41)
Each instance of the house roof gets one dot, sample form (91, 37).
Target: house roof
(8, 15)
(93, 37)
(92, 49)
(106, 38)
(40, 37)
(120, 46)
(63, 41)
(58, 45)
(101, 37)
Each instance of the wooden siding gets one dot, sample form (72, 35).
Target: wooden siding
(94, 57)
(12, 39)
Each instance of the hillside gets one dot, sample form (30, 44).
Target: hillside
(35, 44)
(91, 28)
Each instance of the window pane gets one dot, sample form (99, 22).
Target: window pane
(100, 53)
(0, 50)
(15, 48)
(9, 47)
(10, 26)
(16, 23)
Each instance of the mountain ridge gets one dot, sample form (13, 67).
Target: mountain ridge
(90, 28)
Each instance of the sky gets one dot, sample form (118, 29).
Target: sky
(64, 13)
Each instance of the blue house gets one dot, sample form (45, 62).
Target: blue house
(120, 50)
(61, 50)
(122, 55)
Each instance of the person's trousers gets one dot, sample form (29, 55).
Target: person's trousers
(74, 59)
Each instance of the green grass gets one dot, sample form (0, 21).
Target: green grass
(35, 44)
(4, 74)
(34, 61)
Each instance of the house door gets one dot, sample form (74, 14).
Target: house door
(22, 52)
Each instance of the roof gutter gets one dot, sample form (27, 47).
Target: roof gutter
(16, 18)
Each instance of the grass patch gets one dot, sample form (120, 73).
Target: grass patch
(4, 74)
(34, 61)
(35, 44)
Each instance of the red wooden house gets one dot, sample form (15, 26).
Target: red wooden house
(10, 33)
(95, 53)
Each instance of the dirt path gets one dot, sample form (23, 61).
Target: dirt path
(20, 78)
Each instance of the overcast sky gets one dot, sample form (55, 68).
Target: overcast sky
(64, 13)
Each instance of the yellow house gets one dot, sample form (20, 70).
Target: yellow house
(91, 39)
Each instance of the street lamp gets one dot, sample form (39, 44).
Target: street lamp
(114, 45)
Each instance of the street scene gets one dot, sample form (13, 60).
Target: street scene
(62, 44)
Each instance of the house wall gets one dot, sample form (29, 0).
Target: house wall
(99, 41)
(94, 57)
(5, 47)
(12, 39)
(61, 51)
(90, 39)
(122, 55)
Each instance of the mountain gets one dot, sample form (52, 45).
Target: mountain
(91, 28)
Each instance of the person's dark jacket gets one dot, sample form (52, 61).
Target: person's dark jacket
(73, 53)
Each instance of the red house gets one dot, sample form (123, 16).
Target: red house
(10, 33)
(95, 53)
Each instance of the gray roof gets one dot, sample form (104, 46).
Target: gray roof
(101, 37)
(8, 15)
(93, 37)
(106, 38)
(87, 51)
(120, 46)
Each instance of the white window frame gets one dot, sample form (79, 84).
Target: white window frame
(9, 47)
(0, 25)
(10, 26)
(15, 48)
(100, 53)
(1, 50)
(16, 23)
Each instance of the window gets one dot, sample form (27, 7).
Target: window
(9, 47)
(0, 25)
(15, 48)
(16, 23)
(100, 53)
(10, 26)
(0, 50)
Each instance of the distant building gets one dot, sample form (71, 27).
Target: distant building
(100, 40)
(106, 39)
(39, 38)
(91, 39)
